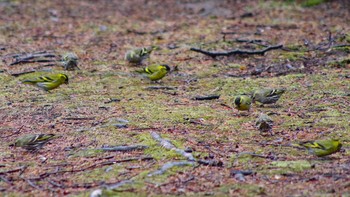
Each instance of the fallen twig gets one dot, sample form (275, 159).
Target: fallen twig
(225, 105)
(169, 165)
(13, 170)
(32, 184)
(211, 163)
(30, 61)
(5, 180)
(79, 118)
(123, 148)
(22, 73)
(13, 133)
(27, 58)
(105, 163)
(160, 88)
(236, 51)
(55, 184)
(210, 97)
(168, 145)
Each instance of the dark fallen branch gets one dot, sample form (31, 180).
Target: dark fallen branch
(236, 52)
(123, 148)
(211, 163)
(30, 61)
(210, 97)
(35, 55)
(79, 118)
(323, 46)
(13, 170)
(101, 164)
(32, 184)
(168, 145)
(55, 184)
(46, 65)
(169, 165)
(28, 58)
(22, 73)
(24, 55)
(160, 88)
(328, 45)
(225, 105)
(2, 178)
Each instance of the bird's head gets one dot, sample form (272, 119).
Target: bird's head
(252, 96)
(64, 78)
(70, 57)
(148, 50)
(238, 100)
(167, 68)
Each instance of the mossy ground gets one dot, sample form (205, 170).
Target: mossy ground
(106, 92)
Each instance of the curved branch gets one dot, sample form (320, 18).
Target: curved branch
(236, 51)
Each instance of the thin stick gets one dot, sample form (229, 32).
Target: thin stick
(236, 52)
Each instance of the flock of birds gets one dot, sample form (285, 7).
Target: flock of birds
(155, 72)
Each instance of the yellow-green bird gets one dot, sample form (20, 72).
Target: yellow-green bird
(136, 56)
(48, 82)
(267, 96)
(70, 61)
(242, 102)
(33, 142)
(322, 147)
(155, 72)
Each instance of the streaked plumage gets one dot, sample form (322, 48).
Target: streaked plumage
(242, 102)
(322, 147)
(70, 61)
(33, 142)
(136, 56)
(267, 96)
(155, 72)
(48, 82)
(264, 123)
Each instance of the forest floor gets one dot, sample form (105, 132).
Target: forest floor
(107, 104)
